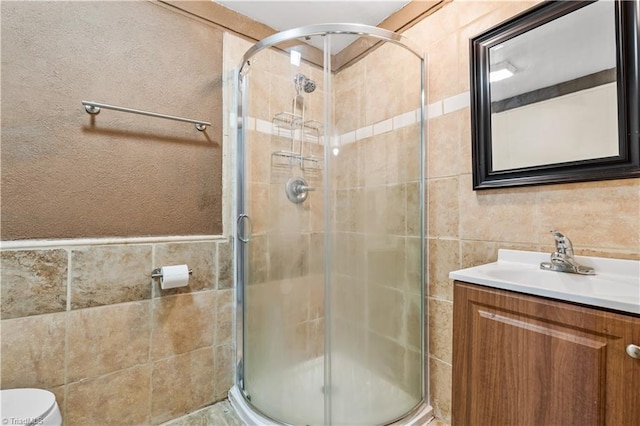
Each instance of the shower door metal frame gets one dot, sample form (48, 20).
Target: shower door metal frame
(240, 248)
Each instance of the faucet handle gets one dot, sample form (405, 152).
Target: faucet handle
(563, 243)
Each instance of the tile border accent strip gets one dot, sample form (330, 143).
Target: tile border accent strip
(436, 109)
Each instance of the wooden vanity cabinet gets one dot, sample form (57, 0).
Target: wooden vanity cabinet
(525, 360)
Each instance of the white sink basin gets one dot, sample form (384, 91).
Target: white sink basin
(616, 284)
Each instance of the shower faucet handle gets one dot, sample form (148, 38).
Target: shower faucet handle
(305, 188)
(297, 189)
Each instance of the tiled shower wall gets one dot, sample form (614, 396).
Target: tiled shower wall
(466, 227)
(285, 272)
(376, 183)
(89, 324)
(376, 220)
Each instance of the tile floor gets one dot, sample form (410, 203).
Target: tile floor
(220, 414)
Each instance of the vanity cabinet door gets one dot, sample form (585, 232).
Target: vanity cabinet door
(524, 360)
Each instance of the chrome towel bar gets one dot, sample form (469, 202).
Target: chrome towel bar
(94, 108)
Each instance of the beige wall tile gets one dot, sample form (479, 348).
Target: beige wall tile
(33, 351)
(374, 152)
(396, 209)
(200, 257)
(444, 257)
(385, 357)
(412, 317)
(225, 265)
(224, 320)
(440, 386)
(474, 253)
(258, 157)
(414, 367)
(106, 339)
(444, 145)
(259, 267)
(285, 216)
(120, 398)
(443, 72)
(384, 307)
(347, 299)
(413, 218)
(182, 323)
(104, 275)
(414, 265)
(387, 71)
(224, 370)
(443, 210)
(316, 253)
(259, 87)
(465, 141)
(441, 329)
(349, 114)
(59, 392)
(596, 214)
(182, 384)
(258, 197)
(486, 213)
(615, 254)
(409, 153)
(288, 255)
(33, 282)
(316, 296)
(386, 266)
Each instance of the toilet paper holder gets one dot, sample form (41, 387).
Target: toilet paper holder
(157, 273)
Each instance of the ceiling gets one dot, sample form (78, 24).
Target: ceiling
(284, 15)
(574, 45)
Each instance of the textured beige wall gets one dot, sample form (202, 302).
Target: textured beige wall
(466, 227)
(66, 174)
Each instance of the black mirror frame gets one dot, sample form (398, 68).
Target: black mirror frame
(625, 165)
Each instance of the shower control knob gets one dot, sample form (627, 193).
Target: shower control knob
(297, 190)
(633, 351)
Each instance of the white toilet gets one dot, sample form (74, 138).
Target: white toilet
(29, 407)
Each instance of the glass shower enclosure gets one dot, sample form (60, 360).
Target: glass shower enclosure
(330, 228)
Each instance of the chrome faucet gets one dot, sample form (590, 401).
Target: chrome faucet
(562, 260)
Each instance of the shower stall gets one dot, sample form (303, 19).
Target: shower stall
(330, 229)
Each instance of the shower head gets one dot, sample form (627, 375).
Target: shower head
(303, 82)
(309, 86)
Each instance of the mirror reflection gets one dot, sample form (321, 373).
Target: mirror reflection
(553, 91)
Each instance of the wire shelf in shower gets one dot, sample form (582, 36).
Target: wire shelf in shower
(291, 123)
(287, 121)
(290, 159)
(313, 128)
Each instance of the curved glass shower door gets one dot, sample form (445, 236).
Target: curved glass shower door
(332, 284)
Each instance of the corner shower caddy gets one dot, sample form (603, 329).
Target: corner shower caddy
(293, 125)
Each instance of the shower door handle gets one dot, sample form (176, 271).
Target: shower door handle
(244, 237)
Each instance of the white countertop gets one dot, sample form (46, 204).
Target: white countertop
(616, 284)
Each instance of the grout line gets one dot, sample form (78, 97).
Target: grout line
(69, 274)
(66, 335)
(151, 333)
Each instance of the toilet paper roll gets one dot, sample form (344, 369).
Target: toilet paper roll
(174, 276)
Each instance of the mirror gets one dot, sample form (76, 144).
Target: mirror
(555, 95)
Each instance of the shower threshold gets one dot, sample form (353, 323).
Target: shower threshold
(306, 379)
